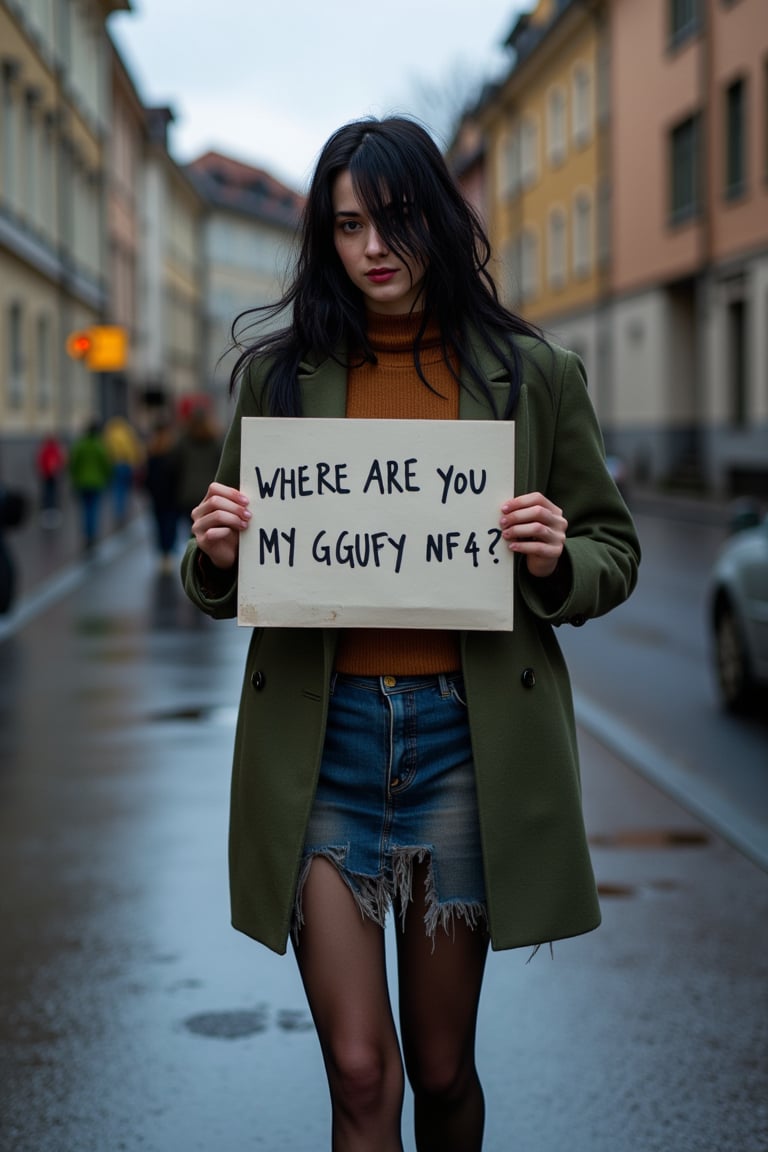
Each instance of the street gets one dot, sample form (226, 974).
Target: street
(133, 1018)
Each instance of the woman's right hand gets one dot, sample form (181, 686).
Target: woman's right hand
(217, 522)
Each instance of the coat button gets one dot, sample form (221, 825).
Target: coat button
(578, 620)
(258, 679)
(528, 678)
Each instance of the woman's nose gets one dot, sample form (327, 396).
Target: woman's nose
(375, 243)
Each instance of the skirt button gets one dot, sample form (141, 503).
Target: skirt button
(390, 681)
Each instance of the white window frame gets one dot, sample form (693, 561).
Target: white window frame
(529, 151)
(557, 133)
(582, 110)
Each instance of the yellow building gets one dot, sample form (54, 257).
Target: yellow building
(545, 128)
(55, 100)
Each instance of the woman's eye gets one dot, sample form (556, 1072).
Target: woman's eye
(349, 226)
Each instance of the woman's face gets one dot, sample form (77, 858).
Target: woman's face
(390, 284)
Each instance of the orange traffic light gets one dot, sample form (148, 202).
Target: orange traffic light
(104, 347)
(78, 345)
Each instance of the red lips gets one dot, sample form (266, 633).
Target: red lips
(380, 275)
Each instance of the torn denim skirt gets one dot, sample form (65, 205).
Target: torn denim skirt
(397, 786)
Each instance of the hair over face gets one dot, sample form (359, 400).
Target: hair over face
(401, 178)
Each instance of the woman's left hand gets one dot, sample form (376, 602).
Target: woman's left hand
(535, 527)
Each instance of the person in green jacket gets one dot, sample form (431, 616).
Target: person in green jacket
(90, 471)
(430, 771)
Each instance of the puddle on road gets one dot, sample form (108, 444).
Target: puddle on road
(645, 838)
(211, 714)
(237, 1024)
(609, 890)
(651, 838)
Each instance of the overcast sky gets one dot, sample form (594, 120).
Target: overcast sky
(267, 81)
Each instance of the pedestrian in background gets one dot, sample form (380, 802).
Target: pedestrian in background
(161, 483)
(436, 771)
(50, 462)
(127, 455)
(90, 471)
(197, 458)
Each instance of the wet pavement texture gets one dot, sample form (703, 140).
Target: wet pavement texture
(133, 1018)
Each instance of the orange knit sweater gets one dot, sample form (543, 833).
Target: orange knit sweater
(390, 390)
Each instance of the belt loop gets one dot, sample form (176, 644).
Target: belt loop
(442, 681)
(334, 677)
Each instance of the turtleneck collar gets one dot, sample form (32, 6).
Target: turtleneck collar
(398, 333)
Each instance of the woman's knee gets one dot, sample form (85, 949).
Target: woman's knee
(364, 1078)
(441, 1074)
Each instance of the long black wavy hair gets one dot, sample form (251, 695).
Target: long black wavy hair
(401, 178)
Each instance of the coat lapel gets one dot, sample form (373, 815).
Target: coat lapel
(473, 407)
(323, 389)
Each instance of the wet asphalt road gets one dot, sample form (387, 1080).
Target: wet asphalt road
(132, 1017)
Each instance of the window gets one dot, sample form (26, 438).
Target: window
(10, 169)
(735, 139)
(44, 372)
(736, 351)
(556, 126)
(509, 174)
(684, 170)
(582, 235)
(529, 151)
(556, 250)
(582, 106)
(15, 355)
(683, 20)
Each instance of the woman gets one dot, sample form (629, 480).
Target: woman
(436, 771)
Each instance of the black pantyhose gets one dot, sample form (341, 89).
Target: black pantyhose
(439, 992)
(342, 964)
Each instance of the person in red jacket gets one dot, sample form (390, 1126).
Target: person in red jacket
(51, 462)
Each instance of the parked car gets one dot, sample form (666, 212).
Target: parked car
(738, 613)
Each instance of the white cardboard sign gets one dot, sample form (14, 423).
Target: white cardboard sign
(376, 523)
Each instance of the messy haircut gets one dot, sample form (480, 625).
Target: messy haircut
(401, 178)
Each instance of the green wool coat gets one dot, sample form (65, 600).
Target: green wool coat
(539, 881)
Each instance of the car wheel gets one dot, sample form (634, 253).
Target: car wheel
(734, 675)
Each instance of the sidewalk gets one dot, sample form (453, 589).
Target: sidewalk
(41, 552)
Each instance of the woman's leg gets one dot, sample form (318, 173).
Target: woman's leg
(439, 999)
(342, 964)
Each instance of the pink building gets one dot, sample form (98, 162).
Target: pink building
(689, 259)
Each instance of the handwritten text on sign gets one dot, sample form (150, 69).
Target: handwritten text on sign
(376, 523)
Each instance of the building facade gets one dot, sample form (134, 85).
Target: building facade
(248, 241)
(54, 122)
(169, 348)
(626, 167)
(99, 225)
(690, 239)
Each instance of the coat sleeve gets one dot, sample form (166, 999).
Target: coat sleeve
(215, 592)
(599, 567)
